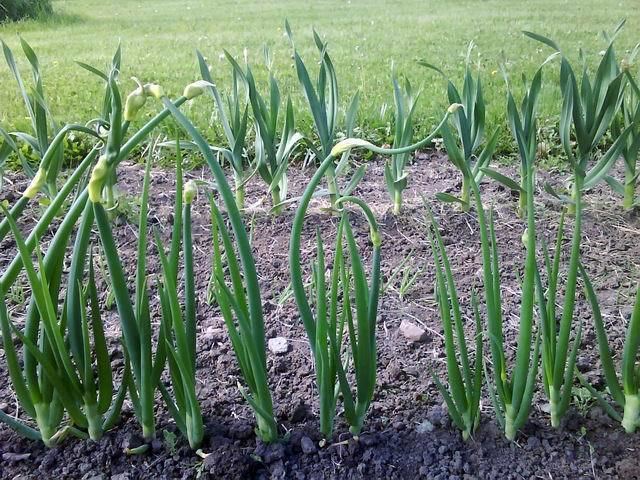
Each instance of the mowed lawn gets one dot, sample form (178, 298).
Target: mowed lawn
(159, 39)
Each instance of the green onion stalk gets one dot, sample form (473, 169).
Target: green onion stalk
(322, 330)
(523, 126)
(465, 151)
(625, 390)
(395, 173)
(234, 121)
(41, 118)
(629, 118)
(589, 109)
(323, 103)
(110, 184)
(272, 148)
(65, 229)
(179, 325)
(334, 311)
(58, 368)
(465, 383)
(135, 319)
(510, 394)
(242, 300)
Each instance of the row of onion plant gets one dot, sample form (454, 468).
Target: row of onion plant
(57, 385)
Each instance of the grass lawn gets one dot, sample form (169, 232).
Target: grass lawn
(159, 39)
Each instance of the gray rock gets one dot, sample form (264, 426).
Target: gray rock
(307, 445)
(213, 334)
(15, 457)
(425, 427)
(413, 332)
(278, 345)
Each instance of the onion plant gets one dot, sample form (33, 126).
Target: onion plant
(466, 151)
(590, 109)
(116, 150)
(49, 151)
(511, 392)
(42, 121)
(234, 118)
(464, 379)
(179, 325)
(323, 326)
(625, 388)
(110, 184)
(558, 362)
(524, 128)
(86, 204)
(335, 315)
(395, 173)
(57, 373)
(240, 302)
(135, 317)
(273, 148)
(323, 102)
(628, 119)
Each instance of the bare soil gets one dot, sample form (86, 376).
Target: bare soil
(407, 433)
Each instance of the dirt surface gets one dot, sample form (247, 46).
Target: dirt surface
(407, 433)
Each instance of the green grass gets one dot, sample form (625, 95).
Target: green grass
(159, 39)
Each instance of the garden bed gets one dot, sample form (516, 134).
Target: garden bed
(407, 433)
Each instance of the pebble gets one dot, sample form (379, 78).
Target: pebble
(425, 427)
(413, 332)
(278, 345)
(307, 445)
(15, 457)
(212, 333)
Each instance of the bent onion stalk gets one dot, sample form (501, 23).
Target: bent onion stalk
(323, 348)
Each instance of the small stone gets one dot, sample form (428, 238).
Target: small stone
(307, 445)
(3, 406)
(15, 457)
(278, 345)
(413, 332)
(277, 470)
(213, 334)
(425, 427)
